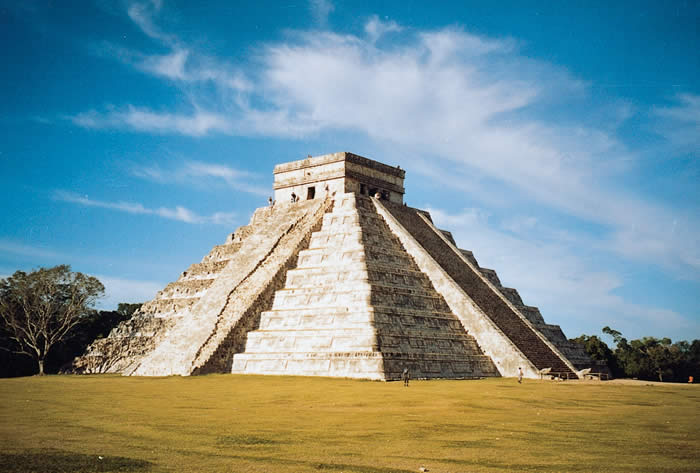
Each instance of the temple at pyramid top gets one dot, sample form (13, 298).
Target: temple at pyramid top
(338, 173)
(338, 277)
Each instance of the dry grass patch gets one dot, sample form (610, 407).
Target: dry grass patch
(293, 424)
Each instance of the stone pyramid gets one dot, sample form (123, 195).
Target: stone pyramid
(337, 278)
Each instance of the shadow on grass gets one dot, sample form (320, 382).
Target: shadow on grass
(245, 441)
(506, 466)
(356, 468)
(342, 467)
(55, 461)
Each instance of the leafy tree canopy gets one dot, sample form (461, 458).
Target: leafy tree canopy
(646, 358)
(41, 308)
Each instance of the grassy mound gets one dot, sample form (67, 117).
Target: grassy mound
(293, 424)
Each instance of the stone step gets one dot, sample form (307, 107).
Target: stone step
(365, 365)
(341, 220)
(512, 295)
(407, 298)
(414, 345)
(324, 276)
(531, 313)
(381, 313)
(368, 365)
(470, 256)
(302, 319)
(285, 299)
(491, 275)
(207, 270)
(185, 288)
(222, 252)
(327, 318)
(424, 366)
(320, 257)
(167, 306)
(420, 298)
(303, 341)
(354, 236)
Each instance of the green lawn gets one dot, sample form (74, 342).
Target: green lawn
(293, 424)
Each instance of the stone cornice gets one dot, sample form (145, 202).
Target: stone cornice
(337, 157)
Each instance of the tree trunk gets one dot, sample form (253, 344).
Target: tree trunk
(41, 367)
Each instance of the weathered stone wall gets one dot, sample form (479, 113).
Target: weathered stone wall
(341, 173)
(124, 346)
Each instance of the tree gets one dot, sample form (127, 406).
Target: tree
(127, 309)
(655, 358)
(598, 350)
(39, 309)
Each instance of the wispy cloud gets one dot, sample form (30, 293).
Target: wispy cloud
(198, 173)
(126, 290)
(198, 123)
(142, 13)
(321, 9)
(170, 65)
(680, 124)
(376, 28)
(178, 213)
(23, 249)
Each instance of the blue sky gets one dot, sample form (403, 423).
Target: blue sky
(558, 141)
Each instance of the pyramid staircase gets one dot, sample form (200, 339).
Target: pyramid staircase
(357, 306)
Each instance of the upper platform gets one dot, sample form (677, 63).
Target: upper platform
(338, 173)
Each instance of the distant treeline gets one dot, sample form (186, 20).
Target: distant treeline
(648, 358)
(95, 325)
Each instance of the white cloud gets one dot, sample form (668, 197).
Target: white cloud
(142, 13)
(22, 249)
(198, 173)
(376, 28)
(140, 119)
(680, 124)
(321, 9)
(126, 290)
(178, 213)
(170, 65)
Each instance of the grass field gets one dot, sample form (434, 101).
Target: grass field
(290, 424)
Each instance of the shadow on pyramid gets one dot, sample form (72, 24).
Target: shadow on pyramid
(337, 277)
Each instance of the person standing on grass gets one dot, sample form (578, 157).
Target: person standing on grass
(520, 375)
(405, 376)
